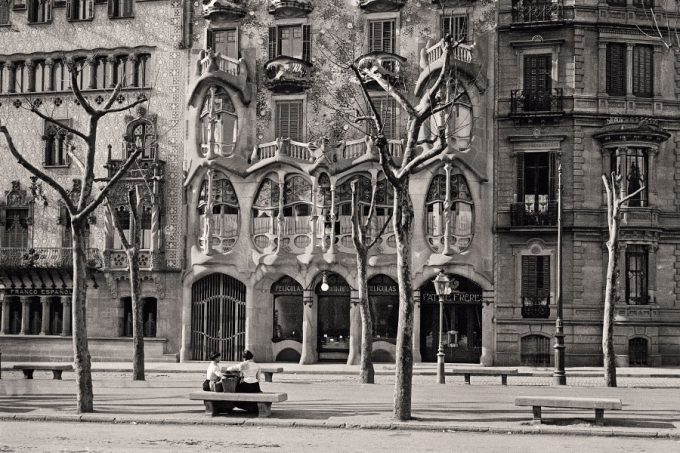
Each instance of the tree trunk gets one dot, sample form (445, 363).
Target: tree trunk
(609, 301)
(81, 352)
(403, 224)
(137, 314)
(367, 371)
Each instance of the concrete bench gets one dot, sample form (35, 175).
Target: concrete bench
(599, 404)
(502, 372)
(56, 369)
(216, 402)
(269, 372)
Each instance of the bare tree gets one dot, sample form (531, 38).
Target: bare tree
(416, 154)
(616, 199)
(131, 247)
(88, 201)
(363, 242)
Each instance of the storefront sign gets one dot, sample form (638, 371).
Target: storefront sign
(39, 291)
(457, 297)
(287, 289)
(383, 290)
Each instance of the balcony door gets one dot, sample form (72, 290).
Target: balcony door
(536, 186)
(224, 42)
(537, 82)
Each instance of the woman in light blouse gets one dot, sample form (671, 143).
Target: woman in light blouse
(250, 374)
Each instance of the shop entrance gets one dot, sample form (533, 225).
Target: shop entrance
(333, 302)
(462, 331)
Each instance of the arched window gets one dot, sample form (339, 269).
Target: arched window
(288, 308)
(450, 214)
(323, 211)
(144, 137)
(39, 11)
(219, 124)
(266, 213)
(459, 115)
(297, 211)
(123, 215)
(218, 212)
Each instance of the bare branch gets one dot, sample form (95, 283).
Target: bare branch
(391, 91)
(76, 89)
(376, 115)
(76, 159)
(424, 156)
(382, 231)
(49, 119)
(629, 196)
(126, 107)
(112, 98)
(116, 224)
(357, 229)
(424, 108)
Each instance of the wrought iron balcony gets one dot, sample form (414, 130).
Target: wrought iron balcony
(287, 74)
(117, 260)
(534, 214)
(283, 9)
(44, 258)
(530, 13)
(523, 102)
(376, 6)
(536, 311)
(224, 9)
(389, 65)
(354, 149)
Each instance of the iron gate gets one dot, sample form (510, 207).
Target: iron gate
(218, 317)
(637, 351)
(535, 351)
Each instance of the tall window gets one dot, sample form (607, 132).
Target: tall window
(537, 82)
(291, 41)
(265, 214)
(387, 107)
(16, 228)
(456, 26)
(224, 42)
(123, 216)
(79, 9)
(120, 8)
(643, 71)
(535, 286)
(289, 120)
(57, 141)
(143, 137)
(382, 36)
(219, 124)
(297, 207)
(536, 185)
(221, 209)
(632, 165)
(636, 275)
(39, 11)
(4, 12)
(459, 216)
(616, 69)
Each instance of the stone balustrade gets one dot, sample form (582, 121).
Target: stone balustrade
(285, 147)
(432, 54)
(354, 149)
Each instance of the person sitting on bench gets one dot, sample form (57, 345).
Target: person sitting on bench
(250, 374)
(213, 377)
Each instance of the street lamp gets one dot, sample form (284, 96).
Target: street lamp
(442, 286)
(324, 282)
(559, 376)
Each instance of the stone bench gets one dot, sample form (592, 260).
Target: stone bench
(216, 403)
(269, 372)
(502, 372)
(599, 404)
(56, 369)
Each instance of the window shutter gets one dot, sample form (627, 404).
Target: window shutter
(537, 73)
(273, 46)
(529, 278)
(127, 8)
(616, 69)
(643, 75)
(306, 43)
(69, 9)
(388, 41)
(210, 39)
(4, 13)
(31, 10)
(278, 130)
(546, 276)
(295, 121)
(90, 9)
(520, 177)
(112, 8)
(375, 36)
(552, 177)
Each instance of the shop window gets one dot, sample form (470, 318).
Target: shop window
(266, 213)
(535, 286)
(56, 313)
(290, 41)
(15, 233)
(333, 315)
(535, 351)
(638, 351)
(15, 317)
(120, 9)
(383, 296)
(39, 11)
(35, 315)
(219, 124)
(289, 120)
(632, 164)
(79, 9)
(218, 211)
(382, 36)
(458, 222)
(637, 270)
(455, 25)
(288, 308)
(57, 141)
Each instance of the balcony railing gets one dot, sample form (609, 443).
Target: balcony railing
(381, 5)
(44, 258)
(536, 12)
(462, 53)
(290, 8)
(224, 9)
(117, 259)
(287, 74)
(285, 147)
(355, 149)
(536, 311)
(217, 62)
(532, 214)
(536, 101)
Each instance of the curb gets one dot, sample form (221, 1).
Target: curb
(277, 423)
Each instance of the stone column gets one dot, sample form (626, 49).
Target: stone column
(45, 319)
(488, 330)
(11, 77)
(602, 68)
(279, 218)
(111, 67)
(132, 70)
(29, 66)
(24, 314)
(629, 69)
(657, 71)
(355, 325)
(49, 74)
(91, 63)
(331, 247)
(4, 322)
(66, 315)
(309, 323)
(417, 357)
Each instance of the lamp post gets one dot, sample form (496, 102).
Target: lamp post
(442, 286)
(559, 376)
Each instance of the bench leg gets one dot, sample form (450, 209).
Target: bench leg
(212, 408)
(56, 374)
(504, 379)
(268, 377)
(537, 415)
(264, 409)
(28, 374)
(467, 379)
(599, 417)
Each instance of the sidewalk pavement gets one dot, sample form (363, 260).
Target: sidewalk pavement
(332, 398)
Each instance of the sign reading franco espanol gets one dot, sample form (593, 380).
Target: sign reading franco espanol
(39, 291)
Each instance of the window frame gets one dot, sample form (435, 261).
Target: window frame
(53, 131)
(278, 103)
(6, 11)
(31, 14)
(86, 5)
(455, 17)
(121, 12)
(643, 198)
(640, 294)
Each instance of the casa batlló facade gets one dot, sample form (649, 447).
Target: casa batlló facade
(250, 150)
